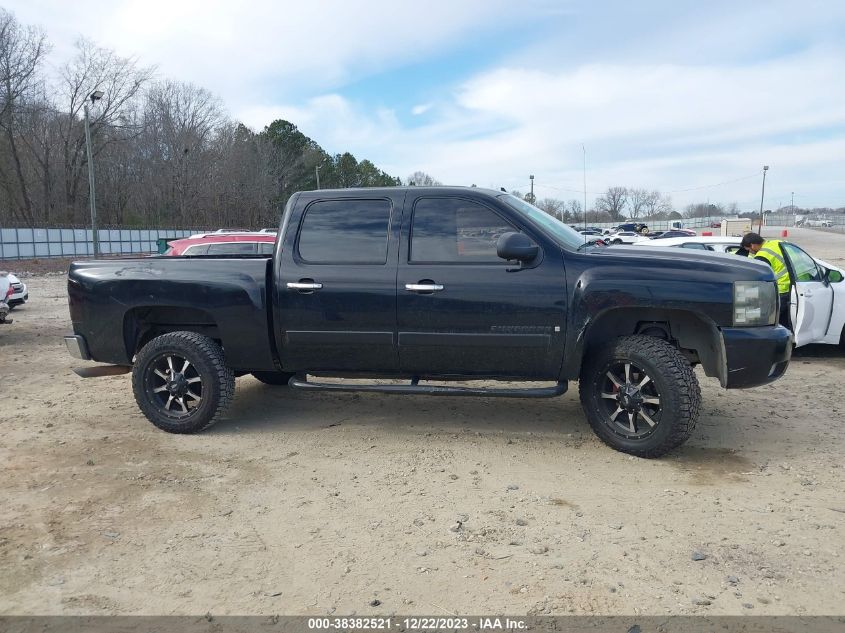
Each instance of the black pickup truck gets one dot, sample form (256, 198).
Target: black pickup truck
(427, 286)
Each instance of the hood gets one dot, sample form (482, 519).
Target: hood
(735, 266)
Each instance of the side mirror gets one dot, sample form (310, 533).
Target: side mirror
(516, 246)
(834, 276)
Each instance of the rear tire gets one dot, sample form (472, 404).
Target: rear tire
(640, 395)
(181, 382)
(276, 378)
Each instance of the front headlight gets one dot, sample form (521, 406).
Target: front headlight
(755, 303)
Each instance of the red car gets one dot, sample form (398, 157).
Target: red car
(224, 244)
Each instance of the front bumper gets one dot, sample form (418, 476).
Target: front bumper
(77, 347)
(755, 356)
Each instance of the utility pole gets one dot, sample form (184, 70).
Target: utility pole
(762, 195)
(584, 150)
(317, 171)
(792, 204)
(531, 177)
(94, 96)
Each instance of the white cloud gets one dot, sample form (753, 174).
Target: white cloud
(661, 126)
(264, 49)
(421, 108)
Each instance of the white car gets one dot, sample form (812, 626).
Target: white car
(5, 293)
(20, 294)
(626, 237)
(817, 306)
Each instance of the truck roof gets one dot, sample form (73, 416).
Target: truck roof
(440, 189)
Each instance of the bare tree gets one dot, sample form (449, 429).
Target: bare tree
(21, 51)
(181, 121)
(637, 200)
(552, 206)
(704, 210)
(120, 79)
(422, 179)
(613, 202)
(657, 204)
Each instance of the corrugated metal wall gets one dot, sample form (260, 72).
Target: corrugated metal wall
(29, 243)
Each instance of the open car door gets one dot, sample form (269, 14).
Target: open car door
(811, 297)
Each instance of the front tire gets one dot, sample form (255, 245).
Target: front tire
(181, 382)
(640, 395)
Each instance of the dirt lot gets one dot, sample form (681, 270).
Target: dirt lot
(309, 503)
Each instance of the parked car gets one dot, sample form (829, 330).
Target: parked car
(815, 223)
(636, 227)
(19, 293)
(715, 225)
(590, 232)
(664, 235)
(434, 284)
(223, 244)
(818, 292)
(625, 237)
(5, 292)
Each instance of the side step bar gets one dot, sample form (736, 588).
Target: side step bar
(301, 382)
(99, 371)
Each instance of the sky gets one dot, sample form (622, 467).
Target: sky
(689, 98)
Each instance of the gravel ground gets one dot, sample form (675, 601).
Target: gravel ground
(309, 503)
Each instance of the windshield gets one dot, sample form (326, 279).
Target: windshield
(565, 234)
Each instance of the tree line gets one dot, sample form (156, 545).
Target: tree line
(615, 205)
(165, 152)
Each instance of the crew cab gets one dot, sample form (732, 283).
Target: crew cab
(433, 286)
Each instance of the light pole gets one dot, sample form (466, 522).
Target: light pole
(584, 150)
(762, 195)
(94, 96)
(531, 177)
(317, 171)
(792, 203)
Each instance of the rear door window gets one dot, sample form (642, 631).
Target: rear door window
(345, 232)
(199, 249)
(232, 248)
(265, 248)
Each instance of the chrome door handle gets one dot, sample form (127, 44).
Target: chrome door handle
(298, 285)
(423, 287)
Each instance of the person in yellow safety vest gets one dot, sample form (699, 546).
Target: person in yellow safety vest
(770, 251)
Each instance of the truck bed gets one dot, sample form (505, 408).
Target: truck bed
(224, 297)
